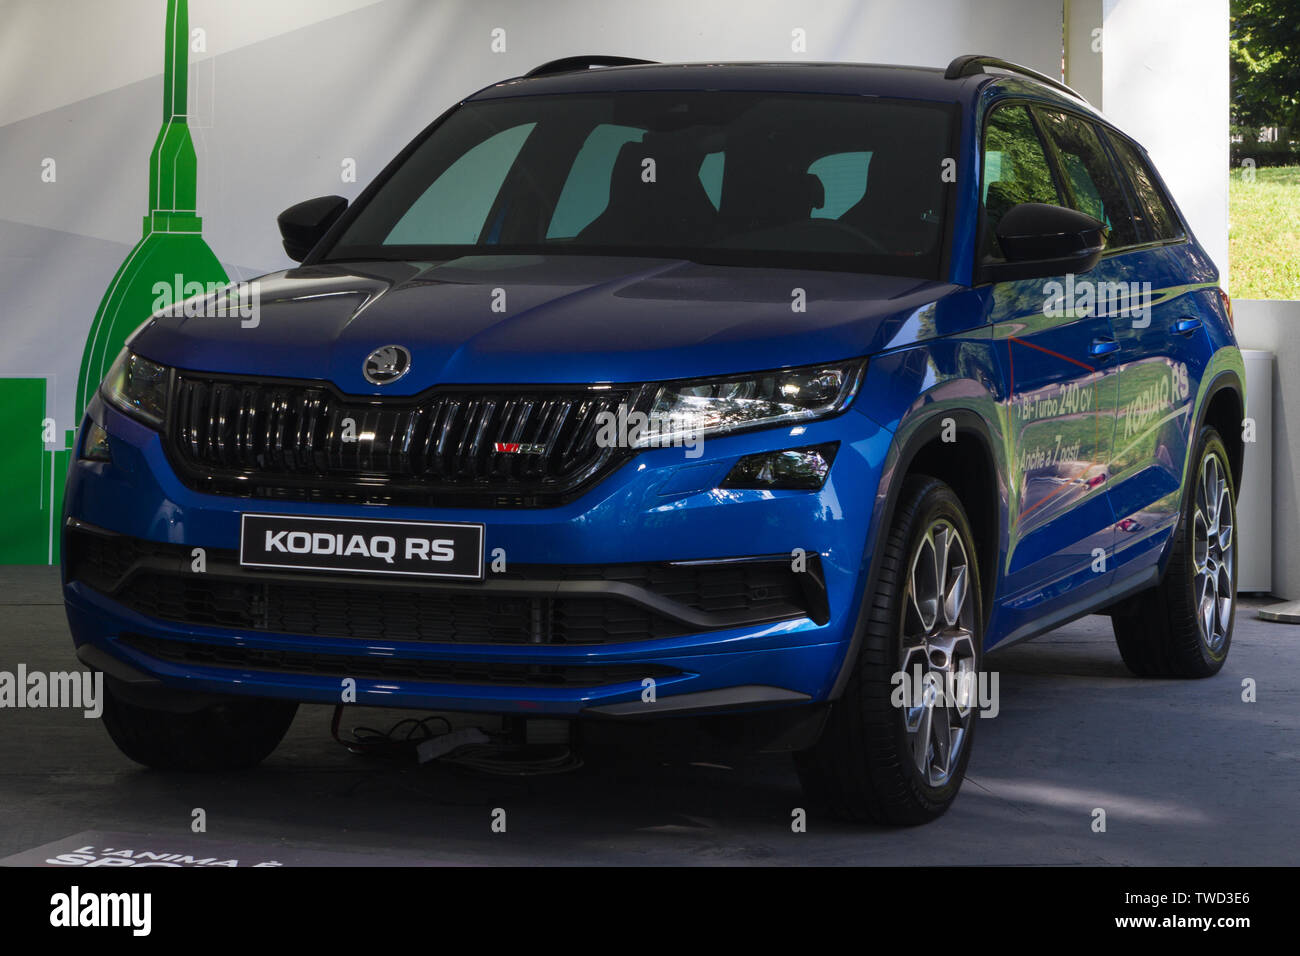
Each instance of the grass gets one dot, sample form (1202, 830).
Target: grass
(1264, 233)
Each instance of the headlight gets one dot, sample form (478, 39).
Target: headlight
(138, 387)
(717, 406)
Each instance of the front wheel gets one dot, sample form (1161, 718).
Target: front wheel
(228, 735)
(1183, 626)
(896, 743)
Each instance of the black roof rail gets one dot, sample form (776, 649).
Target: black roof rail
(570, 63)
(972, 63)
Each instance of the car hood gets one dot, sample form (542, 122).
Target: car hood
(551, 319)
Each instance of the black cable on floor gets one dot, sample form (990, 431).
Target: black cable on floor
(499, 756)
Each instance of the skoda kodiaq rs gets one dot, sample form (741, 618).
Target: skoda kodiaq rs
(649, 391)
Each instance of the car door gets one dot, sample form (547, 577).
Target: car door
(1164, 348)
(1059, 401)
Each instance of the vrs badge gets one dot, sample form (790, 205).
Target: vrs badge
(518, 448)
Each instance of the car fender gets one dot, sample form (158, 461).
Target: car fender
(959, 405)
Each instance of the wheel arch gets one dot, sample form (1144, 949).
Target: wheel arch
(1224, 407)
(920, 447)
(1221, 403)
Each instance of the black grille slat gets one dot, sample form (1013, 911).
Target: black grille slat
(558, 417)
(413, 422)
(334, 458)
(314, 417)
(279, 439)
(477, 438)
(448, 417)
(584, 427)
(214, 432)
(278, 412)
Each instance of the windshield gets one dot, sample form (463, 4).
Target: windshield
(837, 182)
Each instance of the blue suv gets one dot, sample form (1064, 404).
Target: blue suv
(633, 391)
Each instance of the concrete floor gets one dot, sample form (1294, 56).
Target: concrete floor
(1188, 775)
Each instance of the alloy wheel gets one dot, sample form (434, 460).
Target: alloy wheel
(1213, 553)
(938, 658)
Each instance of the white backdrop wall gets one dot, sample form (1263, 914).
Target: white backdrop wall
(288, 89)
(1165, 81)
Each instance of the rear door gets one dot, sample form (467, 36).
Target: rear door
(1164, 348)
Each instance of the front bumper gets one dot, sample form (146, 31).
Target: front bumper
(658, 508)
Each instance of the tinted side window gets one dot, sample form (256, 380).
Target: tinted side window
(1015, 168)
(1093, 185)
(1154, 207)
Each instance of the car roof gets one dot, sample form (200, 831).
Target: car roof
(864, 79)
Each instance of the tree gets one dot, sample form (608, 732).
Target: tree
(1264, 57)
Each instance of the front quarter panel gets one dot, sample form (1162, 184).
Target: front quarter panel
(925, 391)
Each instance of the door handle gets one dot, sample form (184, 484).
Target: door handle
(1103, 346)
(1187, 324)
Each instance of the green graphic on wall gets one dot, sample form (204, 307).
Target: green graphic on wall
(172, 244)
(34, 462)
(34, 474)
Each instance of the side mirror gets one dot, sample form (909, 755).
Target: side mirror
(1043, 240)
(303, 225)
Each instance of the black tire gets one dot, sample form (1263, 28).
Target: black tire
(1160, 632)
(229, 735)
(863, 768)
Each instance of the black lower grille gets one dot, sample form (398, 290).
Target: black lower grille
(392, 614)
(104, 561)
(496, 446)
(389, 668)
(537, 604)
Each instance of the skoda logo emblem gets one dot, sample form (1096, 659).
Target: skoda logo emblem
(386, 365)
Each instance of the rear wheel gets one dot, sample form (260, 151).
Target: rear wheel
(897, 741)
(1183, 626)
(228, 735)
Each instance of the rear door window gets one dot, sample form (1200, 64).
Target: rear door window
(1153, 206)
(1090, 179)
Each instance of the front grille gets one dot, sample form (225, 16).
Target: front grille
(389, 668)
(498, 446)
(103, 561)
(529, 604)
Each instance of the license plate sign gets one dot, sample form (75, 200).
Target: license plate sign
(427, 549)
